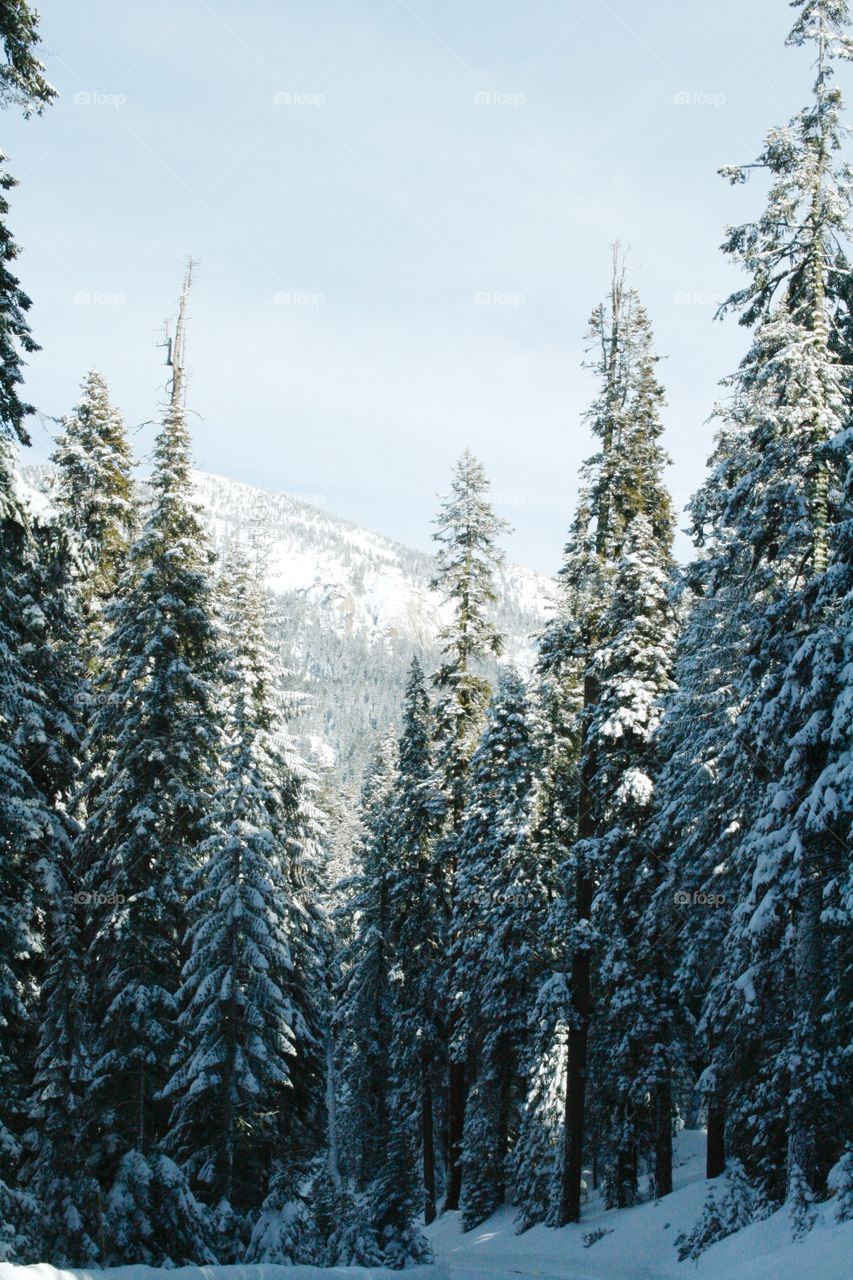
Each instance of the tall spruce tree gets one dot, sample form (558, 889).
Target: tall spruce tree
(502, 899)
(468, 557)
(50, 744)
(240, 1021)
(777, 489)
(27, 817)
(149, 781)
(558, 689)
(417, 906)
(363, 1008)
(37, 743)
(622, 483)
(94, 490)
(632, 1058)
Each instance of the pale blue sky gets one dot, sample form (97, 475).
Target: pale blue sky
(402, 213)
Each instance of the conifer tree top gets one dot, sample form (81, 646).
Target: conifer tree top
(468, 555)
(22, 80)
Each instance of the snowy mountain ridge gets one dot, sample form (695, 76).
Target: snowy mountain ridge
(364, 581)
(349, 609)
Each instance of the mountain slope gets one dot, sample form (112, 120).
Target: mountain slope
(349, 608)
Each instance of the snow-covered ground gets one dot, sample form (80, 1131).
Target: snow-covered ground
(638, 1246)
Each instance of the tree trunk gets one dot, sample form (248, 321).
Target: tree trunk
(626, 1176)
(715, 1158)
(332, 1115)
(455, 1129)
(803, 1145)
(428, 1143)
(507, 1076)
(663, 1139)
(581, 974)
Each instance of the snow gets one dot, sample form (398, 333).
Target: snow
(360, 580)
(259, 1272)
(638, 1246)
(33, 499)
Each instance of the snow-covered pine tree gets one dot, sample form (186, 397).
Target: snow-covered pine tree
(394, 1201)
(632, 1066)
(25, 830)
(631, 668)
(536, 1156)
(150, 772)
(558, 689)
(56, 1177)
(418, 929)
(94, 490)
(363, 1007)
(49, 744)
(622, 483)
(699, 806)
(22, 79)
(241, 1023)
(468, 556)
(502, 898)
(730, 1205)
(26, 822)
(841, 1183)
(22, 83)
(771, 1005)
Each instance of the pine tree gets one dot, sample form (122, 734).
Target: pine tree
(94, 490)
(780, 493)
(393, 1202)
(535, 1160)
(22, 84)
(25, 825)
(633, 1068)
(417, 914)
(501, 902)
(49, 745)
(623, 526)
(699, 807)
(240, 1023)
(22, 80)
(148, 787)
(468, 557)
(25, 818)
(842, 1184)
(363, 1013)
(537, 1154)
(728, 1208)
(15, 335)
